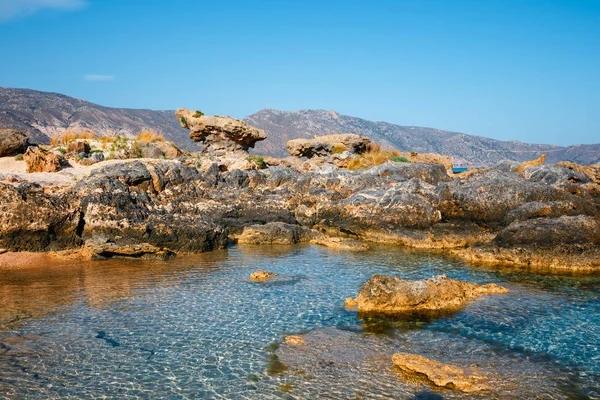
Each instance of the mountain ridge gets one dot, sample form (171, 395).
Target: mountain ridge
(45, 114)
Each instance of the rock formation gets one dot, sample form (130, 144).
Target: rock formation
(440, 374)
(220, 135)
(387, 295)
(261, 276)
(325, 145)
(38, 160)
(12, 142)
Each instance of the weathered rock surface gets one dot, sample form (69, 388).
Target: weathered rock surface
(393, 295)
(78, 146)
(38, 160)
(101, 248)
(325, 145)
(175, 205)
(444, 375)
(12, 142)
(219, 134)
(262, 275)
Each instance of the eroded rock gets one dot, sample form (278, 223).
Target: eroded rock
(444, 375)
(12, 142)
(393, 295)
(325, 145)
(38, 160)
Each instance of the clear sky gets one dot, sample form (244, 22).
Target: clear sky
(513, 70)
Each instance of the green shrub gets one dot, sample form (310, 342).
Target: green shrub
(258, 161)
(62, 150)
(198, 114)
(399, 159)
(135, 151)
(183, 122)
(97, 151)
(19, 157)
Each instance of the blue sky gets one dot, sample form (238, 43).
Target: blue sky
(510, 70)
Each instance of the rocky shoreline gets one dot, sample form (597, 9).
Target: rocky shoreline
(538, 216)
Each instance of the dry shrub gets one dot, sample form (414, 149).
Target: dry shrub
(338, 149)
(374, 155)
(149, 135)
(68, 136)
(538, 161)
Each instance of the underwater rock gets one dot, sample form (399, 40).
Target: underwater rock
(444, 375)
(295, 340)
(393, 295)
(262, 275)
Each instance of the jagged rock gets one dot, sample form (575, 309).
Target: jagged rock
(325, 145)
(101, 248)
(440, 374)
(262, 275)
(38, 160)
(387, 295)
(219, 135)
(12, 142)
(78, 146)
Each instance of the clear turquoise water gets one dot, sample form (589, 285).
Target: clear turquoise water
(195, 327)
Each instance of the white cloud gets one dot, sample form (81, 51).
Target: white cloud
(17, 8)
(99, 77)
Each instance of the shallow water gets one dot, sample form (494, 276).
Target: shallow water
(195, 327)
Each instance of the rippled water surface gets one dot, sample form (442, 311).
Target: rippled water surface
(195, 327)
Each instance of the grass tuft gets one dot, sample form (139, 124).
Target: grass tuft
(149, 135)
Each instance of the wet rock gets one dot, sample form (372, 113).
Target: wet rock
(78, 146)
(350, 303)
(295, 340)
(219, 134)
(393, 295)
(101, 248)
(262, 275)
(325, 145)
(12, 142)
(338, 243)
(38, 160)
(275, 233)
(444, 375)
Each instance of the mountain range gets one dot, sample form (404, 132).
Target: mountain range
(42, 115)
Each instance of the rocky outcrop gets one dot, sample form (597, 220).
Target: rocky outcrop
(219, 135)
(393, 295)
(261, 276)
(325, 145)
(440, 374)
(12, 142)
(38, 160)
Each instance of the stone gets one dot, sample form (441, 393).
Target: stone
(78, 146)
(12, 142)
(350, 303)
(96, 157)
(393, 295)
(262, 275)
(440, 374)
(325, 145)
(101, 248)
(219, 135)
(38, 160)
(274, 233)
(295, 340)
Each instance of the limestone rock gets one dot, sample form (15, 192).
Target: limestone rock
(38, 160)
(444, 375)
(384, 294)
(262, 275)
(219, 135)
(78, 146)
(12, 142)
(325, 145)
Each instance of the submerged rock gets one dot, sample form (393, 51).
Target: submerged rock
(12, 142)
(444, 375)
(38, 160)
(262, 275)
(295, 340)
(325, 145)
(394, 295)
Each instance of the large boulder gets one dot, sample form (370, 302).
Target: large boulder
(440, 374)
(38, 160)
(325, 145)
(393, 295)
(220, 135)
(12, 142)
(78, 146)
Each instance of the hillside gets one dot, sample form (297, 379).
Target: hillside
(42, 115)
(282, 126)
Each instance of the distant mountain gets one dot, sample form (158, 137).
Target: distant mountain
(42, 115)
(282, 126)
